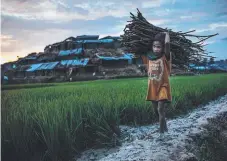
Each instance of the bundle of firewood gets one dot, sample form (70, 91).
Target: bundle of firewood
(139, 34)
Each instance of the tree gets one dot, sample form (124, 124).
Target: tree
(204, 62)
(211, 61)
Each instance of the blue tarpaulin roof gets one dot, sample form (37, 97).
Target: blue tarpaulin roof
(33, 67)
(77, 62)
(96, 41)
(210, 66)
(91, 41)
(106, 41)
(47, 66)
(214, 65)
(70, 52)
(42, 66)
(130, 55)
(127, 56)
(200, 67)
(191, 65)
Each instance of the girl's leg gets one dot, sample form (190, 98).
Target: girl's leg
(165, 125)
(162, 119)
(155, 107)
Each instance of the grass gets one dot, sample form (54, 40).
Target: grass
(21, 86)
(59, 120)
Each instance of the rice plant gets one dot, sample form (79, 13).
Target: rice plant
(58, 121)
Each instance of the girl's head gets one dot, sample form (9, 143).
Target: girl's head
(158, 44)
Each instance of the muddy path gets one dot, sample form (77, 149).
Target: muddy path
(144, 142)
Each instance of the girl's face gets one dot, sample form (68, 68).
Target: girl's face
(157, 47)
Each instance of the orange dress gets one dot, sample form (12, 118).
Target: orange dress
(158, 79)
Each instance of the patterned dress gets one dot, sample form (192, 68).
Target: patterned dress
(158, 79)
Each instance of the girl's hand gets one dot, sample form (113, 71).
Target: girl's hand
(167, 45)
(167, 37)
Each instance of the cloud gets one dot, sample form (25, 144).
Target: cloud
(8, 43)
(98, 9)
(162, 12)
(12, 56)
(120, 26)
(151, 4)
(6, 37)
(213, 26)
(12, 25)
(61, 3)
(31, 42)
(186, 17)
(47, 36)
(209, 42)
(3, 60)
(173, 1)
(224, 39)
(158, 22)
(216, 25)
(31, 39)
(43, 10)
(62, 11)
(221, 14)
(194, 16)
(173, 27)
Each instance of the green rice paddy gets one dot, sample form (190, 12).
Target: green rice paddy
(56, 121)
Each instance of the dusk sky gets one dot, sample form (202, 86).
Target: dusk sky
(29, 25)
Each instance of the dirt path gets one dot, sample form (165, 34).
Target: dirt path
(145, 143)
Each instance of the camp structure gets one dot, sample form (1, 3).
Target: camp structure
(115, 61)
(76, 68)
(29, 59)
(74, 58)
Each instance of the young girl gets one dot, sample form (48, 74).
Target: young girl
(158, 61)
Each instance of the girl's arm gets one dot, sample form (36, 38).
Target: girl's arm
(167, 46)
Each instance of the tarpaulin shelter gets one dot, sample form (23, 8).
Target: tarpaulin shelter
(122, 60)
(73, 63)
(42, 66)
